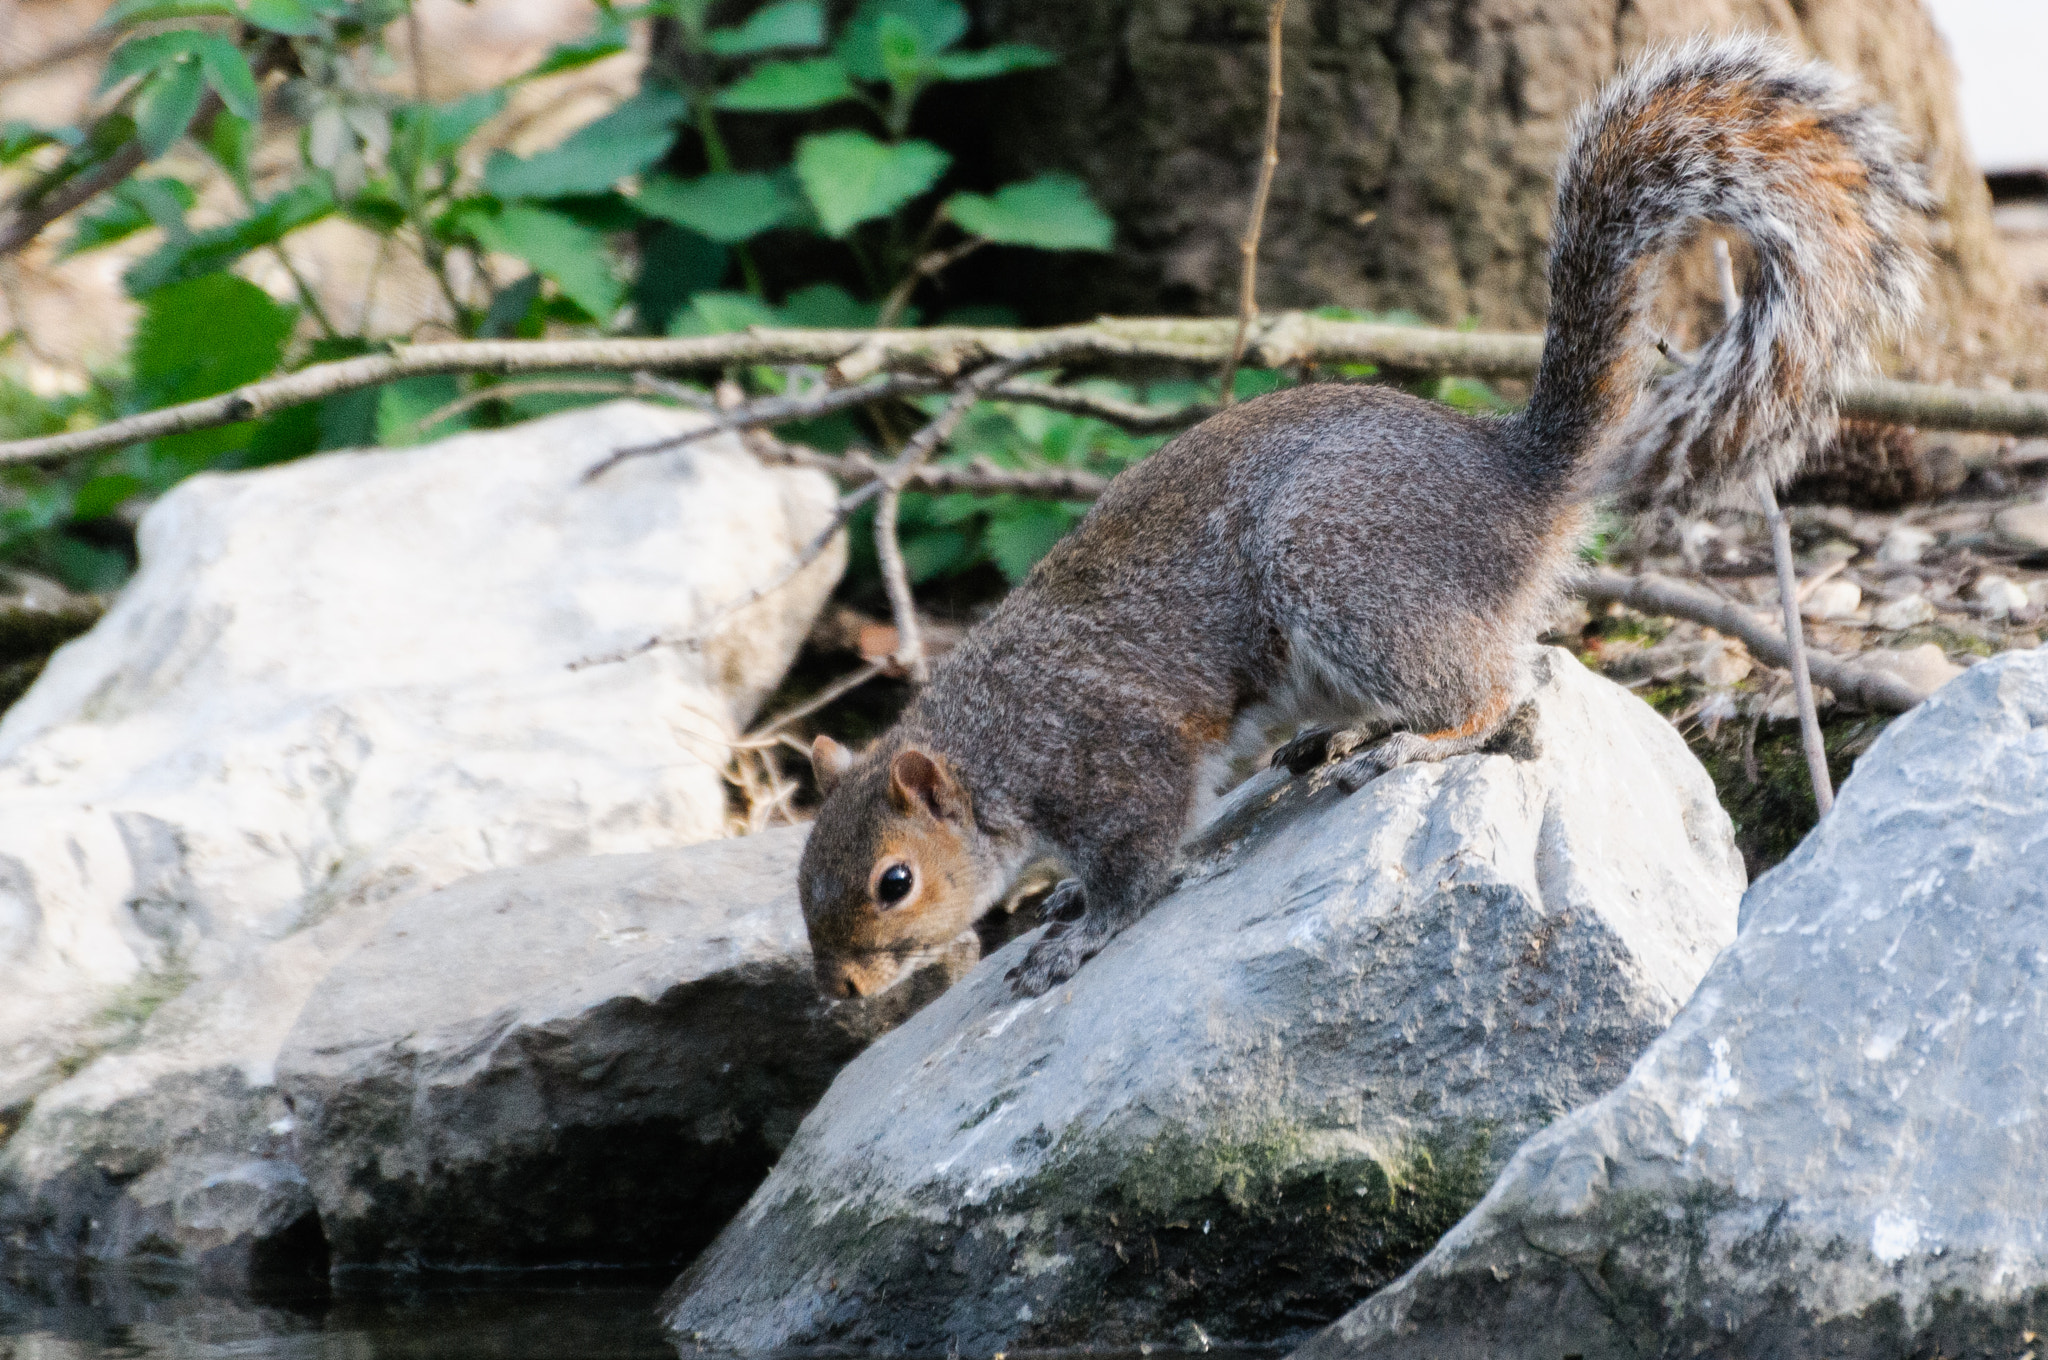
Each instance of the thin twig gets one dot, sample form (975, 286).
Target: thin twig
(1874, 689)
(1277, 341)
(812, 551)
(858, 466)
(1788, 581)
(896, 581)
(832, 693)
(1269, 161)
(929, 265)
(774, 411)
(917, 451)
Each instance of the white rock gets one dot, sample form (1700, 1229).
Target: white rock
(1835, 1150)
(1908, 611)
(2000, 595)
(1833, 599)
(1904, 545)
(1926, 667)
(349, 678)
(1285, 1079)
(2037, 593)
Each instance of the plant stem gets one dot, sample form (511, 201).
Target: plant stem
(1269, 161)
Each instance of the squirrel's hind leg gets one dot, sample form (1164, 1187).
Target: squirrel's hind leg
(1502, 728)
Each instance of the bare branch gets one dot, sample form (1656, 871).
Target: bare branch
(1874, 689)
(945, 352)
(896, 581)
(775, 410)
(858, 467)
(838, 689)
(1136, 417)
(1269, 161)
(23, 218)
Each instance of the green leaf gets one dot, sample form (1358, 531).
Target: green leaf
(294, 18)
(610, 38)
(717, 313)
(104, 494)
(166, 103)
(203, 337)
(787, 86)
(1025, 532)
(229, 141)
(17, 139)
(785, 24)
(1051, 212)
(216, 248)
(724, 206)
(139, 55)
(999, 60)
(624, 142)
(851, 178)
(932, 25)
(557, 247)
(132, 206)
(150, 11)
(227, 70)
(827, 306)
(675, 265)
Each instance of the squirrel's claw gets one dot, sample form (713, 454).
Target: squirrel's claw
(1057, 956)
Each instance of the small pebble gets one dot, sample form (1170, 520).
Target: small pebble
(1719, 662)
(2024, 526)
(1832, 600)
(1907, 612)
(1904, 546)
(2000, 595)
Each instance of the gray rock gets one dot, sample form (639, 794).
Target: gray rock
(348, 678)
(1276, 1090)
(333, 685)
(594, 1060)
(1837, 1149)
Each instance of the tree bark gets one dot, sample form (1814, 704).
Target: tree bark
(1419, 144)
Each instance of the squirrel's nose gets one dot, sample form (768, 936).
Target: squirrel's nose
(848, 988)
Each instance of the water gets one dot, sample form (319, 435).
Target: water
(129, 1315)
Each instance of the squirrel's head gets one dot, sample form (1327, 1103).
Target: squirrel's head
(895, 867)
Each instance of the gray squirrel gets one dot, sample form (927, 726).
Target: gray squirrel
(1350, 548)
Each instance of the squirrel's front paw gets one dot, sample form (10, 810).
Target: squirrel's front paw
(1057, 956)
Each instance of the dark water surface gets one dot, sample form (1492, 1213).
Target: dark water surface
(129, 1315)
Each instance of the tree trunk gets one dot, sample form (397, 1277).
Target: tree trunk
(1419, 144)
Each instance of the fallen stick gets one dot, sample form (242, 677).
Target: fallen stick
(1874, 689)
(1278, 340)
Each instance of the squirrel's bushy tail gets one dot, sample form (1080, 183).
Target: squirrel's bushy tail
(1741, 133)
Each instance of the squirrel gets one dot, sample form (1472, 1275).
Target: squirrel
(1351, 548)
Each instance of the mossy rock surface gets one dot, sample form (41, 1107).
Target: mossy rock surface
(1275, 1092)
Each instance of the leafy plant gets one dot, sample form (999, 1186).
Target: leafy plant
(639, 221)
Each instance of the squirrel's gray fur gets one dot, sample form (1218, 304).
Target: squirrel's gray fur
(1345, 546)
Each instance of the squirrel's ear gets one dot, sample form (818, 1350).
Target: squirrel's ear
(918, 781)
(829, 761)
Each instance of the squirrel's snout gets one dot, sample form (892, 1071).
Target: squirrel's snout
(846, 979)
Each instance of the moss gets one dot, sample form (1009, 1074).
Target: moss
(1767, 792)
(1253, 1239)
(119, 1023)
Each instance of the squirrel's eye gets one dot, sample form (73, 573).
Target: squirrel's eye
(894, 884)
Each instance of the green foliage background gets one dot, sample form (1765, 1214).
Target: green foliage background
(645, 221)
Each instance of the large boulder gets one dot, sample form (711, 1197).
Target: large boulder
(1270, 1095)
(333, 684)
(594, 1060)
(1837, 1148)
